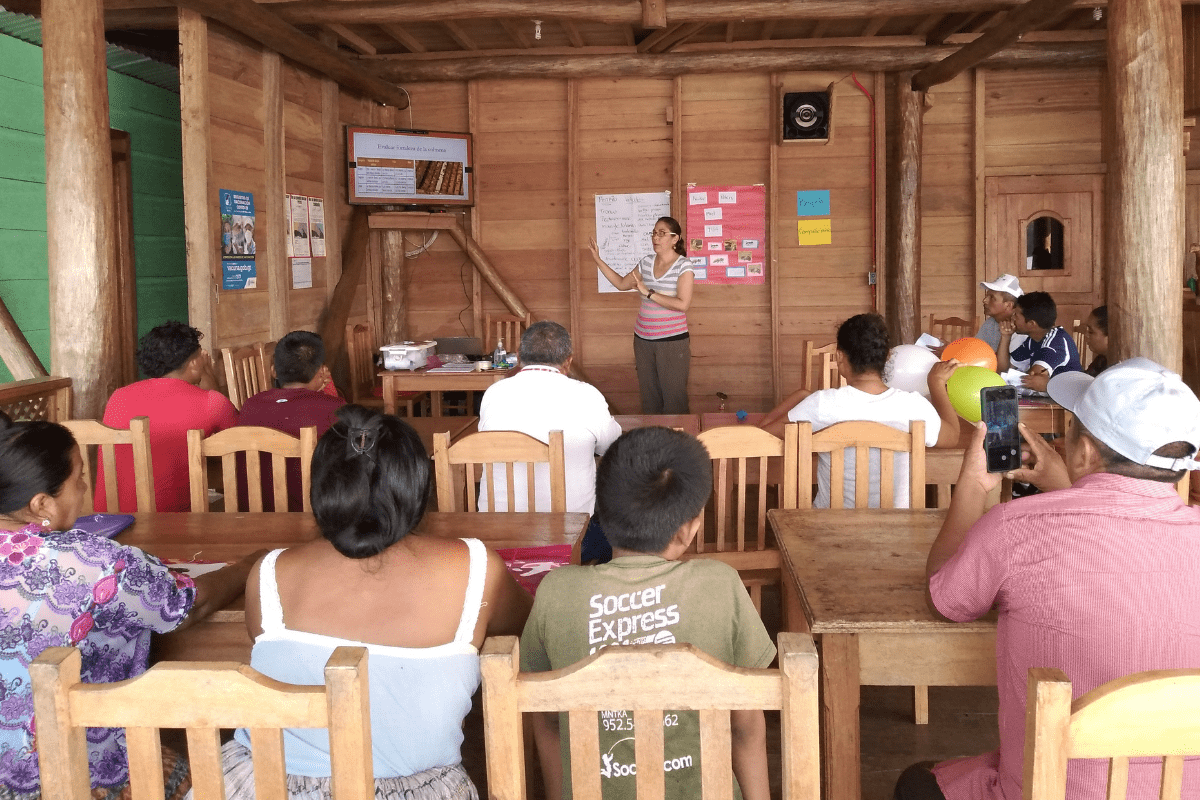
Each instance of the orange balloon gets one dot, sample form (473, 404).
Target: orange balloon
(971, 352)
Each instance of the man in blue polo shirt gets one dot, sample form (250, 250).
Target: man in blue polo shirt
(1048, 351)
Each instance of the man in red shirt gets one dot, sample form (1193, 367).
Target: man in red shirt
(178, 395)
(300, 401)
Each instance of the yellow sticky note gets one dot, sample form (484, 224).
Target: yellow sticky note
(815, 231)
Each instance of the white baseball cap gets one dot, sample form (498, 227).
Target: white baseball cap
(1134, 407)
(1005, 283)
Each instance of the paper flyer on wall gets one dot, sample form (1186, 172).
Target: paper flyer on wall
(301, 273)
(287, 223)
(316, 226)
(726, 233)
(238, 248)
(623, 225)
(298, 222)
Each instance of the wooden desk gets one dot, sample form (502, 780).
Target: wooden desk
(426, 427)
(1040, 416)
(721, 419)
(687, 422)
(435, 383)
(228, 537)
(855, 578)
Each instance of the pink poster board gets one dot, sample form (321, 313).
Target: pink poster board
(726, 233)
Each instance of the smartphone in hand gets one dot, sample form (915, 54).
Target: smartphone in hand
(1003, 442)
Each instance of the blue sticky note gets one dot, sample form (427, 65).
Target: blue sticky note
(812, 203)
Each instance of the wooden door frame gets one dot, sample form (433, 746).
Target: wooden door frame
(124, 266)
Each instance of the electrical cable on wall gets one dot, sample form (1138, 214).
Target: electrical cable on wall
(874, 266)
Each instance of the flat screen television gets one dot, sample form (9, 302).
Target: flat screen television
(400, 167)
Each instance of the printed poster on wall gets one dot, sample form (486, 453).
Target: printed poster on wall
(726, 233)
(238, 249)
(623, 226)
(316, 226)
(298, 224)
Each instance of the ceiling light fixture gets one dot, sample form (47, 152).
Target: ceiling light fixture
(537, 29)
(1097, 13)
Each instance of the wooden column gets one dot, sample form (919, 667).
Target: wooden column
(1144, 206)
(904, 215)
(201, 222)
(272, 248)
(395, 302)
(80, 221)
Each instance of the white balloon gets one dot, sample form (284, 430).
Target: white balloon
(908, 368)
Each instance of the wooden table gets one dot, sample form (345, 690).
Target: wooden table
(686, 422)
(855, 579)
(721, 419)
(435, 383)
(426, 427)
(229, 537)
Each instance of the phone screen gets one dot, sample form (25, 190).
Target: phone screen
(1003, 442)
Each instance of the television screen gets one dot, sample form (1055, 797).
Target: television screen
(428, 168)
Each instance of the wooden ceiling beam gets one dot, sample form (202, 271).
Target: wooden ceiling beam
(873, 26)
(1009, 30)
(883, 59)
(950, 24)
(353, 39)
(680, 37)
(515, 32)
(646, 45)
(403, 37)
(654, 13)
(930, 22)
(572, 32)
(767, 29)
(819, 29)
(160, 19)
(250, 19)
(622, 12)
(459, 35)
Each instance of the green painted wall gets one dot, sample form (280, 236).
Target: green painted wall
(151, 116)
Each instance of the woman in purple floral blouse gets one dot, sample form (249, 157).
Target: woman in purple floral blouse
(60, 586)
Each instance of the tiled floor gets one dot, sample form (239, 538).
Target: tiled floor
(962, 721)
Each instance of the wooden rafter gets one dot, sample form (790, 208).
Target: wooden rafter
(353, 39)
(402, 36)
(873, 26)
(572, 32)
(654, 13)
(255, 21)
(517, 33)
(680, 36)
(574, 65)
(819, 29)
(459, 35)
(949, 25)
(729, 31)
(1005, 33)
(647, 45)
(926, 25)
(768, 28)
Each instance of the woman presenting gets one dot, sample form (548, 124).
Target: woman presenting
(661, 347)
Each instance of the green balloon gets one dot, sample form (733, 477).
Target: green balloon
(963, 388)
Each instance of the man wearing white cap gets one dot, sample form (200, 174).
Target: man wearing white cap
(1096, 577)
(999, 303)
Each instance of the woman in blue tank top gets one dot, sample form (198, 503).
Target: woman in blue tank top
(421, 605)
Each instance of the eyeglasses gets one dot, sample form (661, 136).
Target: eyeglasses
(660, 234)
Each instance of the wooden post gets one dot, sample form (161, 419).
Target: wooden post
(272, 248)
(395, 300)
(1144, 219)
(200, 222)
(15, 351)
(80, 220)
(332, 167)
(904, 216)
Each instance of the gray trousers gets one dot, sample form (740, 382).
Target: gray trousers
(662, 370)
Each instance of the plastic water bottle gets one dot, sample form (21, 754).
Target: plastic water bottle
(499, 356)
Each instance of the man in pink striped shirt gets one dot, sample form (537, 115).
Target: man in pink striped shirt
(1097, 577)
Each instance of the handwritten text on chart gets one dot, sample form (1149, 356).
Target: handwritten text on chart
(814, 231)
(623, 225)
(812, 203)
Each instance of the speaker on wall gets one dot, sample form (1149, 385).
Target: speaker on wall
(806, 116)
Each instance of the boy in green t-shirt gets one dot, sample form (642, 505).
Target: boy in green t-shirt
(651, 488)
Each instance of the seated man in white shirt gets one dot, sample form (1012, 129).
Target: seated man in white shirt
(541, 398)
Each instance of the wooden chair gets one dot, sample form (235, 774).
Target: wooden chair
(266, 358)
(508, 327)
(243, 373)
(949, 329)
(651, 678)
(456, 476)
(863, 437)
(360, 355)
(741, 458)
(1146, 714)
(1079, 334)
(820, 368)
(203, 698)
(89, 432)
(251, 440)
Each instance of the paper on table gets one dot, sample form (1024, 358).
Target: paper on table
(925, 340)
(194, 569)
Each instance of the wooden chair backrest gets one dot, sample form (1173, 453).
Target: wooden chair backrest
(486, 451)
(37, 399)
(360, 352)
(266, 359)
(251, 440)
(732, 449)
(820, 368)
(203, 698)
(243, 373)
(91, 433)
(652, 678)
(508, 327)
(1079, 334)
(1144, 714)
(863, 437)
(948, 329)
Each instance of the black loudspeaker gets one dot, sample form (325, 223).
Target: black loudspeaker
(806, 116)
